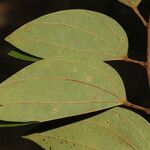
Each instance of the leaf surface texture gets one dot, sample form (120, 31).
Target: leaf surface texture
(117, 128)
(78, 32)
(58, 88)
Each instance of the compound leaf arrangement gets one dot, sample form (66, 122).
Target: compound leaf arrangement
(70, 77)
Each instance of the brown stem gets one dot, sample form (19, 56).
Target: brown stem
(147, 24)
(148, 51)
(142, 63)
(128, 104)
(139, 15)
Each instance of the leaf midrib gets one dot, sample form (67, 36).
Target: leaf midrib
(65, 79)
(63, 46)
(84, 30)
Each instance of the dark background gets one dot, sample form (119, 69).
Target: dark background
(14, 13)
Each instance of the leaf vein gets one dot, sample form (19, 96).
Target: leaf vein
(85, 30)
(123, 138)
(132, 124)
(65, 79)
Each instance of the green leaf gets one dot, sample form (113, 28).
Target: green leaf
(115, 129)
(22, 56)
(131, 3)
(77, 32)
(13, 124)
(58, 88)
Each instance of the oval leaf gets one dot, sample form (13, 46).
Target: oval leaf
(131, 3)
(52, 89)
(78, 32)
(115, 129)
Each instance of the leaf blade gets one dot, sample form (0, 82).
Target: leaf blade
(79, 87)
(131, 3)
(119, 126)
(79, 32)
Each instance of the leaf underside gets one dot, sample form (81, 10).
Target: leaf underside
(131, 3)
(58, 88)
(115, 129)
(77, 32)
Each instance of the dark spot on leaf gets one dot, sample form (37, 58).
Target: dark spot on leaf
(1, 105)
(43, 139)
(50, 148)
(61, 142)
(107, 122)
